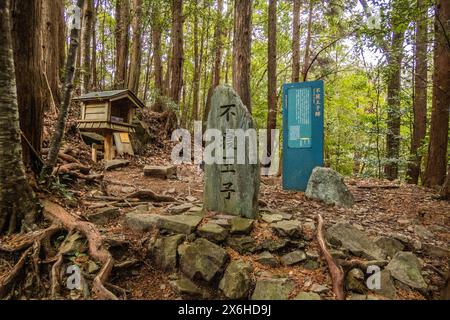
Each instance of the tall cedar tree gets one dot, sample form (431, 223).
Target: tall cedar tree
(26, 35)
(122, 33)
(437, 152)
(420, 94)
(136, 47)
(272, 74)
(296, 41)
(242, 45)
(86, 39)
(17, 201)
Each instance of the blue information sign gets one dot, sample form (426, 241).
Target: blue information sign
(303, 135)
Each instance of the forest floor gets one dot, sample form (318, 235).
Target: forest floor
(381, 208)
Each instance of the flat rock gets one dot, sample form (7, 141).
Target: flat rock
(405, 267)
(242, 244)
(236, 282)
(203, 260)
(307, 296)
(164, 251)
(328, 186)
(141, 222)
(115, 164)
(274, 245)
(212, 232)
(268, 259)
(185, 224)
(319, 288)
(390, 245)
(241, 225)
(162, 172)
(271, 218)
(293, 257)
(291, 228)
(221, 222)
(185, 286)
(180, 208)
(354, 240)
(104, 216)
(273, 289)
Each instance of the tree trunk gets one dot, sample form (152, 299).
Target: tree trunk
(196, 79)
(177, 51)
(122, 33)
(136, 47)
(393, 113)
(94, 83)
(217, 49)
(445, 192)
(67, 97)
(437, 151)
(176, 65)
(53, 46)
(272, 75)
(26, 27)
(420, 96)
(242, 45)
(296, 41)
(86, 37)
(17, 202)
(157, 61)
(308, 43)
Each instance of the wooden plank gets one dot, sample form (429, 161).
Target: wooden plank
(109, 151)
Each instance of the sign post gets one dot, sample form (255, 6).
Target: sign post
(303, 132)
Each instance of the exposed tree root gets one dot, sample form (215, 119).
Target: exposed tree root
(337, 274)
(96, 249)
(24, 241)
(7, 281)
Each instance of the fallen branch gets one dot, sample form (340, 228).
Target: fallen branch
(337, 274)
(369, 187)
(149, 195)
(96, 249)
(63, 156)
(68, 168)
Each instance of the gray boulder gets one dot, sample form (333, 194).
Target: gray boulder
(164, 251)
(104, 215)
(328, 186)
(212, 232)
(390, 245)
(405, 267)
(241, 225)
(354, 240)
(141, 222)
(185, 224)
(203, 260)
(293, 257)
(291, 228)
(273, 289)
(243, 244)
(236, 282)
(268, 259)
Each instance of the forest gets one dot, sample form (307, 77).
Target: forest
(354, 203)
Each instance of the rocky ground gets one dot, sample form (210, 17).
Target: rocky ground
(167, 248)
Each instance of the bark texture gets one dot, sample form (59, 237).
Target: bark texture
(122, 42)
(136, 47)
(17, 201)
(437, 152)
(242, 44)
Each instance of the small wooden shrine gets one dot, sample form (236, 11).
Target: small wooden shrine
(110, 114)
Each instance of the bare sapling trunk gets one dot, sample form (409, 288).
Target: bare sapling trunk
(67, 97)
